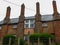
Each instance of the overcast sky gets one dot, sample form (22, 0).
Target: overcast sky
(30, 7)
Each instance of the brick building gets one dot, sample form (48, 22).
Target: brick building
(22, 26)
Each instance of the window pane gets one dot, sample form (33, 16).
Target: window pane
(32, 21)
(26, 26)
(31, 25)
(25, 37)
(0, 27)
(14, 26)
(26, 21)
(44, 25)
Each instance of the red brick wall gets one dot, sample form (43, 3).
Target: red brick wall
(57, 30)
(49, 28)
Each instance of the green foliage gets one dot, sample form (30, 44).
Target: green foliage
(6, 39)
(42, 36)
(34, 37)
(46, 35)
(58, 43)
(21, 42)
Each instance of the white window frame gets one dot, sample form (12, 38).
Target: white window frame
(29, 24)
(33, 22)
(25, 23)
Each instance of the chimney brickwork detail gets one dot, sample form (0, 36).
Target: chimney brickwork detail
(38, 23)
(7, 18)
(56, 22)
(20, 29)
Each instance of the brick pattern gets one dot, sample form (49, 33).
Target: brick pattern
(38, 24)
(57, 30)
(20, 29)
(56, 22)
(4, 30)
(49, 28)
(7, 18)
(53, 26)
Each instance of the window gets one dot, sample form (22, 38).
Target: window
(32, 21)
(27, 21)
(31, 25)
(26, 26)
(53, 34)
(44, 24)
(25, 37)
(0, 27)
(14, 26)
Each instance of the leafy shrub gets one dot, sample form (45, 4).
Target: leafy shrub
(46, 36)
(6, 39)
(43, 37)
(21, 42)
(34, 37)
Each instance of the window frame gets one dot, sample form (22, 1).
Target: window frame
(15, 26)
(29, 23)
(0, 27)
(44, 24)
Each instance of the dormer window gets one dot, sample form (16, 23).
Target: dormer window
(0, 27)
(44, 24)
(14, 26)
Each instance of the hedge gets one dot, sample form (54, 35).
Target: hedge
(42, 36)
(6, 39)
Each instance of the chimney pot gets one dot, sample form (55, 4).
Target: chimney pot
(54, 6)
(22, 9)
(8, 11)
(37, 8)
(7, 18)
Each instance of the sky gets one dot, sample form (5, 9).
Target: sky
(30, 7)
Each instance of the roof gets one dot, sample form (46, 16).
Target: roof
(47, 18)
(43, 18)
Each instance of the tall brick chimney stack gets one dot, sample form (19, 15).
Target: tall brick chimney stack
(7, 18)
(56, 23)
(55, 13)
(22, 9)
(37, 8)
(21, 17)
(38, 24)
(54, 6)
(20, 29)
